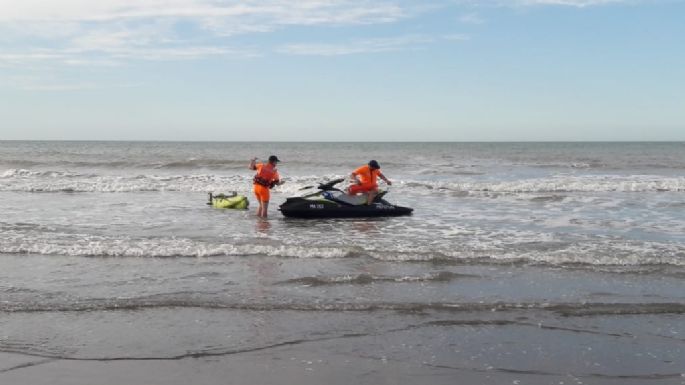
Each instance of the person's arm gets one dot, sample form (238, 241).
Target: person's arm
(386, 180)
(278, 179)
(253, 164)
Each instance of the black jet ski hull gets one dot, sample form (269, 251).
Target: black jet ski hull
(308, 208)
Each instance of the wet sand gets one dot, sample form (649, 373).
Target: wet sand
(200, 346)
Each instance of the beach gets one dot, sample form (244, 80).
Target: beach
(523, 263)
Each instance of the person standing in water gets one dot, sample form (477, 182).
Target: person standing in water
(365, 180)
(266, 178)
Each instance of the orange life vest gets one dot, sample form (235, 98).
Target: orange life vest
(367, 175)
(267, 175)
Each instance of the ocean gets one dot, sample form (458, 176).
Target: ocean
(524, 263)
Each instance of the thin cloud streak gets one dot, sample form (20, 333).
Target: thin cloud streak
(471, 18)
(355, 47)
(376, 45)
(457, 37)
(107, 56)
(573, 3)
(534, 3)
(44, 83)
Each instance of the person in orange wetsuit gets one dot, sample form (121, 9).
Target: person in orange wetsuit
(365, 180)
(266, 178)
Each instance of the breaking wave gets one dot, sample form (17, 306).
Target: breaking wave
(565, 184)
(596, 252)
(22, 180)
(365, 279)
(188, 163)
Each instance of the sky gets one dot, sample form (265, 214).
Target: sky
(342, 70)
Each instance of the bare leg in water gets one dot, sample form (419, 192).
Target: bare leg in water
(263, 209)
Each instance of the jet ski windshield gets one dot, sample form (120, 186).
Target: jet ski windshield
(329, 185)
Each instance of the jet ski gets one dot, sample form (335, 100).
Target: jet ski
(330, 202)
(228, 201)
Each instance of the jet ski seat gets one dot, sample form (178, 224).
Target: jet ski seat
(342, 197)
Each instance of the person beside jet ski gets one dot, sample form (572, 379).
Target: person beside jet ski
(365, 181)
(266, 178)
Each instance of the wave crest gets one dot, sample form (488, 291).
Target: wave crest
(65, 181)
(598, 252)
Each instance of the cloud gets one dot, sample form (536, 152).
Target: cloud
(47, 83)
(268, 11)
(457, 37)
(112, 32)
(74, 31)
(109, 56)
(526, 3)
(574, 3)
(375, 45)
(354, 47)
(471, 18)
(59, 87)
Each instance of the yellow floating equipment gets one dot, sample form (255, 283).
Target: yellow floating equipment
(230, 201)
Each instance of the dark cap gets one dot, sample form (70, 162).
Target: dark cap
(274, 159)
(374, 164)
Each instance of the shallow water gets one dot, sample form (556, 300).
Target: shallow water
(105, 248)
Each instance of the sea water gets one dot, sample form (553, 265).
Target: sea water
(112, 234)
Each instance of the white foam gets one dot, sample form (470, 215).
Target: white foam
(56, 181)
(23, 173)
(482, 246)
(99, 246)
(559, 184)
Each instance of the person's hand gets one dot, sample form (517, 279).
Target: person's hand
(280, 182)
(254, 159)
(389, 183)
